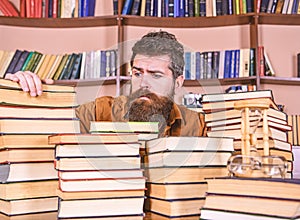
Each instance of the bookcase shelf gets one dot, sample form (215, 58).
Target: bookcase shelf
(60, 22)
(280, 80)
(87, 82)
(214, 82)
(188, 22)
(279, 19)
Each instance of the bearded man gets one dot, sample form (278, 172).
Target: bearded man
(157, 72)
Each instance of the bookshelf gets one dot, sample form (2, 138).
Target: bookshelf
(276, 32)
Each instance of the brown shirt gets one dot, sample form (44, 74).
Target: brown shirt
(183, 122)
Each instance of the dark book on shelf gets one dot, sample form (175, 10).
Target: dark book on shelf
(127, 7)
(21, 61)
(13, 61)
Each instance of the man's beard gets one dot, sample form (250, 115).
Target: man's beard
(149, 107)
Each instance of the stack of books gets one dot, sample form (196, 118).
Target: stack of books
(176, 168)
(100, 176)
(28, 178)
(223, 120)
(251, 199)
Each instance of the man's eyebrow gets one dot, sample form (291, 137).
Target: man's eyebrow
(149, 71)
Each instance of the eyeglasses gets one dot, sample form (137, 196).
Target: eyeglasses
(257, 166)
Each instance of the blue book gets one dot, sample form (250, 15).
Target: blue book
(227, 64)
(202, 8)
(103, 64)
(295, 6)
(197, 65)
(127, 7)
(176, 8)
(232, 65)
(91, 7)
(249, 6)
(216, 64)
(237, 63)
(181, 8)
(171, 8)
(187, 60)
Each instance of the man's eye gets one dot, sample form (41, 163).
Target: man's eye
(137, 74)
(157, 75)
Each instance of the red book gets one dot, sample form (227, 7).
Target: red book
(38, 8)
(23, 8)
(55, 7)
(4, 9)
(11, 8)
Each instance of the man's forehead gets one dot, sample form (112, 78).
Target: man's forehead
(144, 58)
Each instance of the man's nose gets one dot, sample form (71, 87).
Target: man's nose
(146, 81)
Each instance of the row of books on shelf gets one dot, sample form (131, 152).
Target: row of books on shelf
(279, 7)
(186, 8)
(84, 65)
(103, 63)
(48, 8)
(225, 64)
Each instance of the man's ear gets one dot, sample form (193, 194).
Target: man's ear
(179, 81)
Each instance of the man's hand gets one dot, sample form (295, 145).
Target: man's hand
(29, 82)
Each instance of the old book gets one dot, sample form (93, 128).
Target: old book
(158, 216)
(99, 194)
(183, 174)
(99, 163)
(227, 105)
(172, 191)
(271, 207)
(287, 154)
(47, 99)
(35, 216)
(38, 126)
(60, 66)
(236, 124)
(144, 130)
(260, 187)
(233, 113)
(7, 111)
(92, 138)
(100, 174)
(176, 208)
(273, 143)
(50, 63)
(187, 159)
(28, 155)
(104, 126)
(25, 141)
(28, 189)
(27, 171)
(97, 150)
(82, 185)
(236, 133)
(218, 214)
(50, 88)
(221, 97)
(24, 206)
(84, 208)
(189, 144)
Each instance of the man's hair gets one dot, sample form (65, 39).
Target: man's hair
(158, 44)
